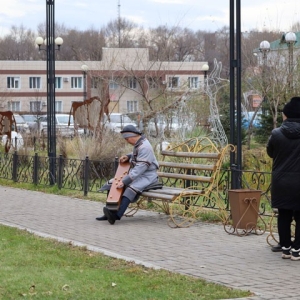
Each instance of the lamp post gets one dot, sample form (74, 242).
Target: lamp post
(290, 39)
(84, 69)
(235, 91)
(205, 69)
(264, 48)
(50, 50)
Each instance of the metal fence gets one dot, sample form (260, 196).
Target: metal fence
(89, 175)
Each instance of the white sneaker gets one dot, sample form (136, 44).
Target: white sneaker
(295, 254)
(286, 252)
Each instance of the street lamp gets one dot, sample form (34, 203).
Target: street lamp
(291, 39)
(264, 48)
(50, 43)
(40, 41)
(205, 69)
(84, 69)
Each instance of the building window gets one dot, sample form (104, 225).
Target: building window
(76, 82)
(58, 82)
(35, 106)
(14, 105)
(193, 82)
(132, 82)
(113, 85)
(34, 82)
(58, 106)
(13, 82)
(132, 106)
(173, 82)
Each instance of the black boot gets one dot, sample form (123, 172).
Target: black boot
(111, 216)
(276, 248)
(103, 218)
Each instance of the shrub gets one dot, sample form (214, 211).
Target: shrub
(101, 146)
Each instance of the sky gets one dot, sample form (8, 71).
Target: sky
(209, 15)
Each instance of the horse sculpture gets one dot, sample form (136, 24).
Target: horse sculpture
(87, 114)
(7, 121)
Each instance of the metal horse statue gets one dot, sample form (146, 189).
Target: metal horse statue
(87, 114)
(7, 122)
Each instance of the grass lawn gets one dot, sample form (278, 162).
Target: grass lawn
(37, 268)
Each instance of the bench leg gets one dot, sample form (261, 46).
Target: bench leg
(182, 212)
(142, 203)
(133, 208)
(271, 239)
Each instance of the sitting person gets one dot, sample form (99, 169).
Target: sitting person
(142, 173)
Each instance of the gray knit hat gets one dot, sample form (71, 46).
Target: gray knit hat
(131, 128)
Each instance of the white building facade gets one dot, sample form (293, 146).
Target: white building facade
(126, 76)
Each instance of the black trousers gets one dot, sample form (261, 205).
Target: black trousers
(285, 218)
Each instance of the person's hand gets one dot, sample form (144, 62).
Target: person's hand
(123, 159)
(120, 186)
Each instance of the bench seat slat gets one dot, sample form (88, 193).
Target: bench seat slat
(191, 154)
(174, 191)
(154, 194)
(169, 193)
(187, 166)
(185, 177)
(167, 189)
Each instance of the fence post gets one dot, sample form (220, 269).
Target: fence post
(35, 169)
(34, 145)
(86, 176)
(60, 171)
(15, 167)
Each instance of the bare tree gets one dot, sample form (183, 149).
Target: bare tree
(272, 82)
(121, 33)
(18, 44)
(149, 83)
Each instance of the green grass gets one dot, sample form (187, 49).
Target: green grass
(37, 268)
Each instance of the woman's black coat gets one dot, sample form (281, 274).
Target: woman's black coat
(284, 147)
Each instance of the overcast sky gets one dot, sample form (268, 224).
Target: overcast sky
(210, 15)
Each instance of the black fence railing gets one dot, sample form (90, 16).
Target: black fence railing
(75, 174)
(89, 175)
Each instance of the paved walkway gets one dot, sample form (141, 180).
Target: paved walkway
(203, 250)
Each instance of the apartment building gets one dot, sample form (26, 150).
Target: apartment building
(125, 76)
(23, 85)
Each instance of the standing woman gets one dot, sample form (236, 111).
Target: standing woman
(284, 148)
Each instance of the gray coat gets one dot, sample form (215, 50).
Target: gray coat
(143, 170)
(284, 147)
